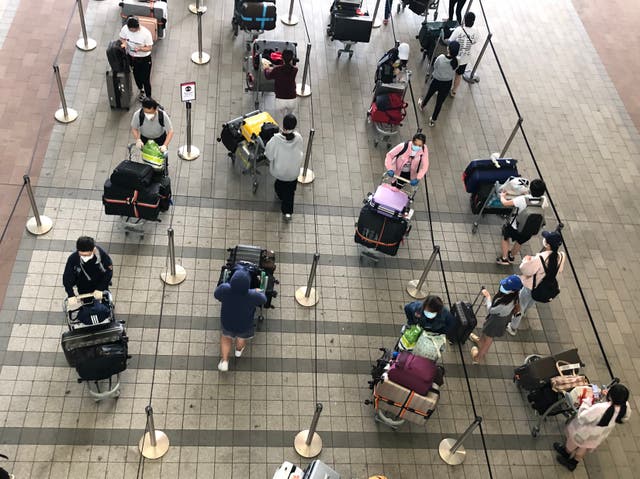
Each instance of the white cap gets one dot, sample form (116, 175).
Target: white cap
(403, 51)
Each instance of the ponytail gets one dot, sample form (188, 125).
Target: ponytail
(454, 63)
(289, 136)
(608, 414)
(553, 262)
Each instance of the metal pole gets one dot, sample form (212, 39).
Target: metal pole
(302, 89)
(154, 444)
(308, 443)
(177, 273)
(172, 252)
(307, 295)
(290, 19)
(376, 23)
(468, 7)
(200, 57)
(151, 428)
(85, 44)
(414, 288)
(64, 114)
(306, 175)
(188, 151)
(37, 225)
(451, 451)
(511, 137)
(472, 77)
(197, 8)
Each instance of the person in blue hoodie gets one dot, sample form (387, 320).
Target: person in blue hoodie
(431, 314)
(239, 304)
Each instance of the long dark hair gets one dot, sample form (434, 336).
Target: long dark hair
(501, 298)
(618, 395)
(452, 53)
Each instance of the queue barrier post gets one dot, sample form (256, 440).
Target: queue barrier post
(37, 224)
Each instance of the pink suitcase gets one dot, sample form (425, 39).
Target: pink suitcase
(413, 372)
(390, 201)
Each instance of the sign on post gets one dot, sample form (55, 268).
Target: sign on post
(188, 91)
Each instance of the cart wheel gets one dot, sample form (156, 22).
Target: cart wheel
(535, 431)
(339, 54)
(474, 229)
(424, 55)
(234, 26)
(254, 186)
(126, 233)
(116, 395)
(260, 318)
(350, 55)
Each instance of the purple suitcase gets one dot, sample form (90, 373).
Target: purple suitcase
(413, 372)
(390, 201)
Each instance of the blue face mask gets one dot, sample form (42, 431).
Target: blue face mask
(504, 291)
(416, 148)
(429, 314)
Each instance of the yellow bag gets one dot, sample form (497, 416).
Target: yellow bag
(252, 125)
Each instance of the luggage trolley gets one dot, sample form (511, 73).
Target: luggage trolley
(253, 17)
(385, 122)
(96, 343)
(349, 25)
(430, 37)
(245, 138)
(254, 71)
(420, 7)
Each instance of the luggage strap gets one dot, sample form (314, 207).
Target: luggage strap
(133, 201)
(377, 243)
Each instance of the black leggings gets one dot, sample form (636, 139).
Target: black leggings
(442, 88)
(458, 4)
(286, 191)
(142, 73)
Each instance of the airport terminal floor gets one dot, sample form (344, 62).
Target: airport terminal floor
(577, 106)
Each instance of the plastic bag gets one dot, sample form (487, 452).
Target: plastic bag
(410, 337)
(152, 155)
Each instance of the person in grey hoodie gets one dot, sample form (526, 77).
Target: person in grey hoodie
(444, 69)
(239, 304)
(285, 153)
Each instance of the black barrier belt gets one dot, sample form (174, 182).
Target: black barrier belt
(553, 206)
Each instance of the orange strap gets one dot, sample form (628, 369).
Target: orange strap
(377, 243)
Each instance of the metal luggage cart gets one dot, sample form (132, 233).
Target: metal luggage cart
(384, 131)
(493, 203)
(432, 5)
(349, 28)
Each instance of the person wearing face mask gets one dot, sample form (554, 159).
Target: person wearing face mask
(285, 154)
(548, 263)
(409, 160)
(89, 269)
(500, 309)
(151, 122)
(430, 314)
(444, 69)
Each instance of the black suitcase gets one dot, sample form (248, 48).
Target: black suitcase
(165, 192)
(132, 175)
(258, 16)
(231, 137)
(429, 33)
(119, 89)
(465, 322)
(133, 203)
(380, 232)
(347, 27)
(117, 57)
(538, 371)
(247, 253)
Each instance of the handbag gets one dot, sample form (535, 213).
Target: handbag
(430, 345)
(568, 377)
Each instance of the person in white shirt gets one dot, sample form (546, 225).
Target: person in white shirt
(285, 155)
(138, 42)
(467, 36)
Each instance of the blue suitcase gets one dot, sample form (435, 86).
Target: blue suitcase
(485, 172)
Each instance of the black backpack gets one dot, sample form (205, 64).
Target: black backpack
(531, 218)
(384, 68)
(548, 288)
(117, 57)
(141, 117)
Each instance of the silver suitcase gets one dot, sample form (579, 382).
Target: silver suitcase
(319, 470)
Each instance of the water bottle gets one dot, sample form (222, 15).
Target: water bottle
(596, 392)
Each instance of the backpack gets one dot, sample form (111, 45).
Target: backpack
(141, 117)
(117, 57)
(548, 288)
(531, 218)
(94, 313)
(384, 67)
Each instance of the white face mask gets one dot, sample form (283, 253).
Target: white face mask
(149, 116)
(84, 259)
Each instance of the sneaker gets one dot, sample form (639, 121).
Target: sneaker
(223, 366)
(420, 103)
(141, 95)
(510, 257)
(287, 217)
(474, 355)
(385, 21)
(502, 261)
(560, 449)
(431, 122)
(570, 464)
(511, 331)
(238, 352)
(474, 337)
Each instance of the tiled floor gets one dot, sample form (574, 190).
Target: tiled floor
(242, 424)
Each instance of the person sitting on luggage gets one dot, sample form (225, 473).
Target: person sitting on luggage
(510, 231)
(392, 66)
(284, 77)
(151, 123)
(138, 41)
(89, 269)
(239, 304)
(409, 160)
(444, 69)
(285, 154)
(532, 269)
(500, 309)
(467, 36)
(430, 314)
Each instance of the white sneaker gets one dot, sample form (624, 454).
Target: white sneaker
(511, 331)
(287, 217)
(238, 352)
(223, 366)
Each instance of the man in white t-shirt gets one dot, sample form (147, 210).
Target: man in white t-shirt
(138, 42)
(510, 231)
(467, 36)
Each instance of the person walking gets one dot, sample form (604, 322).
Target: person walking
(239, 304)
(151, 123)
(430, 314)
(467, 36)
(457, 5)
(284, 77)
(138, 42)
(592, 425)
(409, 160)
(546, 264)
(500, 309)
(444, 69)
(88, 269)
(285, 154)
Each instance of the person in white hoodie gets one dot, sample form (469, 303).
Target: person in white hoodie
(285, 154)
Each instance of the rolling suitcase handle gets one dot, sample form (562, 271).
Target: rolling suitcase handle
(473, 305)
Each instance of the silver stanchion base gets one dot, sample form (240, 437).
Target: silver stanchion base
(300, 444)
(302, 300)
(289, 21)
(305, 93)
(71, 115)
(45, 225)
(90, 45)
(200, 58)
(193, 9)
(151, 452)
(377, 23)
(455, 458)
(189, 156)
(414, 292)
(470, 79)
(173, 279)
(306, 179)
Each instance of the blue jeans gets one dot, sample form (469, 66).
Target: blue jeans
(387, 9)
(526, 301)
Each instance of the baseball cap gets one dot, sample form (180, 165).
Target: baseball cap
(403, 51)
(553, 238)
(511, 283)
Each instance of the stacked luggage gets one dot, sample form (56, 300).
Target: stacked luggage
(119, 76)
(480, 177)
(429, 35)
(151, 14)
(253, 16)
(316, 470)
(420, 7)
(96, 345)
(349, 24)
(259, 263)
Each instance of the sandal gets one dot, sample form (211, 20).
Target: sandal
(474, 337)
(474, 355)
